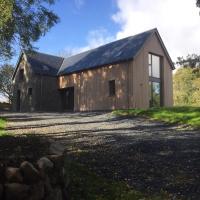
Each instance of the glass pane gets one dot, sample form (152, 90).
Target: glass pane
(150, 92)
(149, 59)
(150, 70)
(155, 94)
(155, 66)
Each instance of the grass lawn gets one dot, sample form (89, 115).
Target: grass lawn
(86, 185)
(180, 115)
(2, 127)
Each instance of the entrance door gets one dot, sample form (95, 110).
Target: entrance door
(67, 96)
(18, 101)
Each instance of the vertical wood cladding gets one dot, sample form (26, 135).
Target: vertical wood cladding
(131, 78)
(45, 94)
(91, 87)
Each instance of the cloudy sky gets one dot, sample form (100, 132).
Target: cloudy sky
(87, 24)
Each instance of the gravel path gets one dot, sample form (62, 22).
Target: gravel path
(149, 156)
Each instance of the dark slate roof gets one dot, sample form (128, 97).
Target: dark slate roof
(114, 52)
(44, 64)
(120, 50)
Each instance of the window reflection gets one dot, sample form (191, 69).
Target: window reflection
(154, 81)
(155, 66)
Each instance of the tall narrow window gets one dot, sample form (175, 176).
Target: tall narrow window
(21, 74)
(154, 81)
(30, 91)
(112, 88)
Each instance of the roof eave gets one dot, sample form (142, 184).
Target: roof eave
(165, 50)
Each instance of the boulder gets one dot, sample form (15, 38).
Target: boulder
(56, 148)
(16, 191)
(1, 191)
(58, 161)
(30, 174)
(47, 185)
(45, 164)
(37, 191)
(2, 174)
(56, 194)
(13, 175)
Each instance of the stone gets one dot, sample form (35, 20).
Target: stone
(16, 191)
(66, 178)
(30, 173)
(13, 175)
(2, 174)
(37, 191)
(1, 191)
(56, 194)
(45, 164)
(47, 185)
(58, 160)
(56, 148)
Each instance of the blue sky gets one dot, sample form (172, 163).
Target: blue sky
(79, 20)
(85, 24)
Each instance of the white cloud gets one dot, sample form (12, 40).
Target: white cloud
(3, 99)
(79, 3)
(94, 39)
(178, 22)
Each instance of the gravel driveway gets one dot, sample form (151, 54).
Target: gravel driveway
(150, 156)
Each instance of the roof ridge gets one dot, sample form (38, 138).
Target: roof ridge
(154, 29)
(47, 54)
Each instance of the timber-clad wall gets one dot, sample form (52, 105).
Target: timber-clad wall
(45, 95)
(132, 83)
(91, 89)
(141, 75)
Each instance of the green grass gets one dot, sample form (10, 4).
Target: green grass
(86, 185)
(174, 115)
(2, 127)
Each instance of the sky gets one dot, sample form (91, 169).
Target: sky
(86, 24)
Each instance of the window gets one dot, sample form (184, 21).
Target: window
(154, 81)
(21, 74)
(30, 90)
(154, 66)
(154, 97)
(112, 88)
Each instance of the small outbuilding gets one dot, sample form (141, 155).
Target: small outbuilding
(134, 72)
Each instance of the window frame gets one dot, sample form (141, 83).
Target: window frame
(153, 79)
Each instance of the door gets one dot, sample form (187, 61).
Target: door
(18, 101)
(67, 98)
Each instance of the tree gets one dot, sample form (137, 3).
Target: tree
(183, 86)
(22, 23)
(6, 88)
(198, 3)
(187, 86)
(191, 60)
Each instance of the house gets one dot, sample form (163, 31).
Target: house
(134, 72)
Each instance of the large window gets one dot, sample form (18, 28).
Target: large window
(154, 81)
